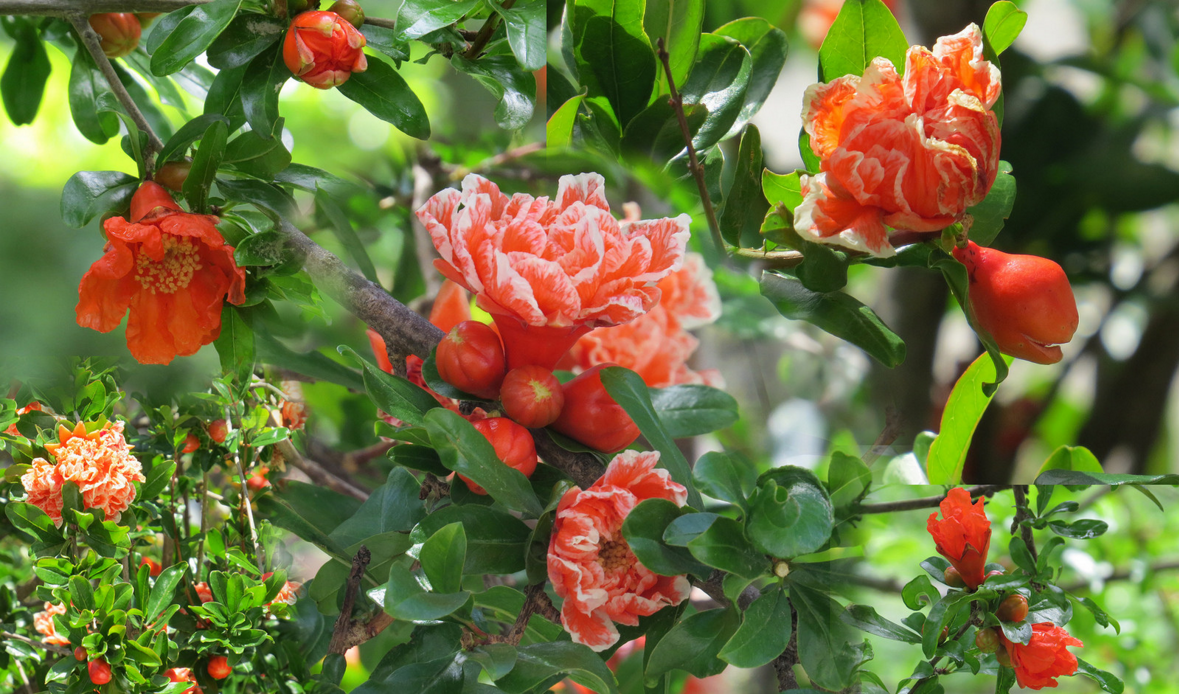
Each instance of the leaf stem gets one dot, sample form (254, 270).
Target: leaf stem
(485, 32)
(927, 502)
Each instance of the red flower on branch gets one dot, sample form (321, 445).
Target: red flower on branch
(99, 462)
(1044, 658)
(549, 271)
(31, 407)
(43, 624)
(908, 153)
(172, 270)
(963, 536)
(323, 49)
(591, 564)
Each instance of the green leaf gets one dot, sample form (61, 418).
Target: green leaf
(386, 95)
(310, 179)
(864, 29)
(310, 512)
(501, 75)
(963, 410)
(541, 662)
(406, 599)
(1068, 458)
(392, 43)
(313, 364)
(496, 541)
(188, 133)
(1002, 26)
(722, 545)
(443, 557)
(54, 571)
(1080, 478)
(163, 591)
(745, 205)
(224, 96)
(157, 480)
(89, 94)
(235, 345)
(866, 618)
(956, 277)
(89, 194)
(266, 197)
(1085, 529)
(782, 189)
(258, 154)
(193, 34)
(615, 59)
(836, 313)
(416, 18)
(204, 166)
(764, 633)
(392, 507)
(718, 81)
(23, 82)
(643, 529)
(32, 520)
(1107, 681)
(678, 23)
(790, 513)
(559, 129)
(767, 46)
(261, 84)
(716, 475)
(990, 214)
(463, 449)
(524, 24)
(848, 479)
(692, 410)
(630, 392)
(824, 640)
(693, 644)
(919, 592)
(346, 234)
(393, 394)
(248, 35)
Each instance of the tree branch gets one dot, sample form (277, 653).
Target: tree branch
(340, 640)
(929, 501)
(36, 644)
(94, 46)
(1022, 513)
(784, 664)
(66, 8)
(485, 33)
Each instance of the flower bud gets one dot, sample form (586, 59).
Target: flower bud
(532, 396)
(218, 430)
(323, 49)
(592, 417)
(99, 671)
(781, 569)
(173, 174)
(349, 10)
(953, 578)
(219, 667)
(119, 32)
(79, 653)
(513, 446)
(471, 359)
(1014, 608)
(191, 443)
(987, 640)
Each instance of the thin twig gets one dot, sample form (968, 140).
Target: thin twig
(1022, 513)
(66, 8)
(927, 502)
(485, 33)
(258, 558)
(892, 429)
(94, 45)
(204, 521)
(38, 644)
(1124, 575)
(777, 259)
(535, 601)
(339, 643)
(381, 22)
(697, 170)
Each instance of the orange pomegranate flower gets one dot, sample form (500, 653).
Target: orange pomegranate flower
(963, 536)
(204, 593)
(591, 564)
(287, 594)
(908, 153)
(31, 407)
(43, 624)
(548, 271)
(1044, 658)
(99, 462)
(657, 345)
(172, 270)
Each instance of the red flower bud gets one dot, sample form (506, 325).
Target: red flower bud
(471, 359)
(592, 417)
(532, 396)
(79, 653)
(191, 443)
(219, 667)
(1024, 302)
(153, 566)
(173, 174)
(963, 535)
(100, 671)
(349, 10)
(119, 32)
(987, 640)
(953, 578)
(323, 49)
(513, 446)
(1014, 608)
(218, 430)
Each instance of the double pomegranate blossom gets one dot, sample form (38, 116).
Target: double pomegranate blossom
(963, 537)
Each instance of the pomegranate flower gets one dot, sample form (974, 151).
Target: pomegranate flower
(99, 462)
(172, 270)
(287, 594)
(31, 407)
(909, 153)
(657, 345)
(963, 536)
(323, 49)
(43, 624)
(1044, 658)
(548, 271)
(591, 564)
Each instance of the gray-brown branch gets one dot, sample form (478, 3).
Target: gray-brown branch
(66, 8)
(340, 641)
(929, 501)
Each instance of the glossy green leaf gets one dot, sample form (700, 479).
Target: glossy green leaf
(247, 36)
(261, 84)
(89, 94)
(615, 58)
(764, 632)
(848, 479)
(866, 618)
(963, 410)
(502, 76)
(524, 23)
(393, 506)
(678, 23)
(1107, 681)
(723, 546)
(824, 640)
(257, 154)
(790, 513)
(163, 591)
(188, 133)
(745, 205)
(864, 29)
(388, 41)
(346, 235)
(1002, 26)
(1081, 478)
(990, 214)
(204, 166)
(1071, 458)
(157, 480)
(393, 394)
(310, 512)
(643, 529)
(692, 410)
(716, 475)
(496, 541)
(718, 81)
(386, 95)
(23, 82)
(235, 345)
(192, 35)
(90, 194)
(559, 129)
(693, 644)
(443, 557)
(406, 599)
(416, 18)
(540, 662)
(768, 46)
(836, 313)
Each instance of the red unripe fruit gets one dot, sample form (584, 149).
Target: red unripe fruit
(218, 430)
(219, 667)
(173, 174)
(191, 443)
(153, 566)
(1014, 608)
(953, 578)
(532, 396)
(349, 10)
(100, 672)
(592, 417)
(1025, 302)
(80, 653)
(119, 32)
(471, 359)
(257, 479)
(512, 443)
(987, 640)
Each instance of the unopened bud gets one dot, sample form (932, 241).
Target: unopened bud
(173, 174)
(349, 10)
(953, 578)
(987, 640)
(781, 569)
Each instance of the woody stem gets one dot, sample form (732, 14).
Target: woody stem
(1022, 513)
(258, 558)
(927, 502)
(677, 104)
(485, 33)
